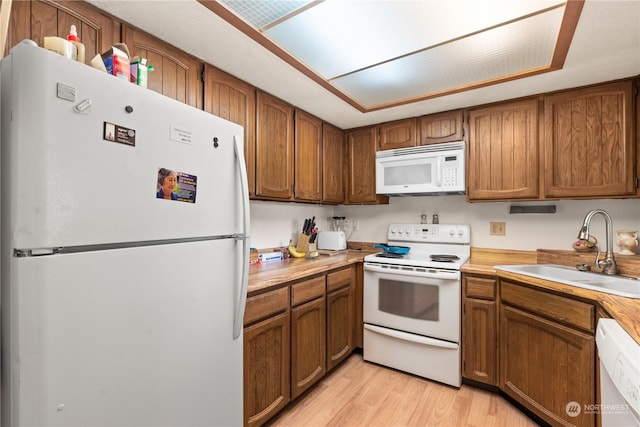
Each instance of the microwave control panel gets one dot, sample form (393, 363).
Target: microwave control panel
(451, 171)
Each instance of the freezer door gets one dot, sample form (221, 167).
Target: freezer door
(85, 156)
(124, 337)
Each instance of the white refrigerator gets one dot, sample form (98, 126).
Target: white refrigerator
(125, 223)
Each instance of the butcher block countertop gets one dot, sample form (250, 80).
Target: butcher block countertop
(625, 310)
(271, 274)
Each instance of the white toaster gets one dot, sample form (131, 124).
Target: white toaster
(332, 240)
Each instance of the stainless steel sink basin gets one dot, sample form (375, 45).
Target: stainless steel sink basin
(616, 285)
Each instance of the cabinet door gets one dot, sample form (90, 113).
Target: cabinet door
(503, 151)
(479, 344)
(479, 329)
(176, 74)
(234, 100)
(333, 164)
(308, 345)
(547, 367)
(308, 157)
(361, 172)
(339, 326)
(441, 127)
(589, 144)
(36, 19)
(266, 369)
(398, 134)
(274, 148)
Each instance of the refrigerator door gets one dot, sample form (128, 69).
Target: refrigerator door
(84, 152)
(135, 336)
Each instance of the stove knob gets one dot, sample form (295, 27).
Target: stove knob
(452, 232)
(393, 230)
(461, 232)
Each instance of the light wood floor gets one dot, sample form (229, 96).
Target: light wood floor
(360, 393)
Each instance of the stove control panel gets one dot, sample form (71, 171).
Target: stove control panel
(430, 233)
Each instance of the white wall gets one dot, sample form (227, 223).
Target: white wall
(274, 223)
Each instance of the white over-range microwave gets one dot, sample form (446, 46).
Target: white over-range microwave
(424, 170)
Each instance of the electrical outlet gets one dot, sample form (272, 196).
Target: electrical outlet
(497, 228)
(356, 225)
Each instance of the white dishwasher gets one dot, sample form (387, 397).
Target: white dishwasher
(619, 375)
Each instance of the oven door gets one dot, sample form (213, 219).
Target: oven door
(416, 300)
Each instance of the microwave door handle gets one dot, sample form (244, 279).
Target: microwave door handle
(438, 172)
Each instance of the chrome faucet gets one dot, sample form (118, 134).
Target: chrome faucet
(608, 264)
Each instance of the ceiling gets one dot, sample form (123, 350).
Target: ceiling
(359, 62)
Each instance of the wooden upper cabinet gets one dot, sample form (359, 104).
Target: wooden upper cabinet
(332, 164)
(176, 74)
(398, 134)
(36, 20)
(503, 151)
(234, 100)
(589, 145)
(441, 127)
(308, 157)
(274, 148)
(361, 171)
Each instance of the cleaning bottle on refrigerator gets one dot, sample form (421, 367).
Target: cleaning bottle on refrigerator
(73, 38)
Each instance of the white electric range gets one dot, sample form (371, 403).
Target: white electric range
(412, 302)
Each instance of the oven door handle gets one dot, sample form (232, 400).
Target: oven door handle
(409, 271)
(411, 337)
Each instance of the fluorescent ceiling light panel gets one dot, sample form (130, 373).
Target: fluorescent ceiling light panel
(502, 51)
(377, 53)
(337, 37)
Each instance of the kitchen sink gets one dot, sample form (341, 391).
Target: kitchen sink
(617, 285)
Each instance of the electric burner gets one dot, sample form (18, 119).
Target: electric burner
(389, 255)
(444, 258)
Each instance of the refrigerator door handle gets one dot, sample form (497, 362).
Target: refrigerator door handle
(244, 283)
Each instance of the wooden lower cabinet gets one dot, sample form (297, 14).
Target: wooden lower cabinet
(308, 345)
(266, 369)
(308, 334)
(292, 336)
(547, 364)
(479, 329)
(340, 316)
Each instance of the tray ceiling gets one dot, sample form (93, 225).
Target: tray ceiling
(380, 53)
(604, 46)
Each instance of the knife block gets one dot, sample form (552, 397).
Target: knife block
(304, 245)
